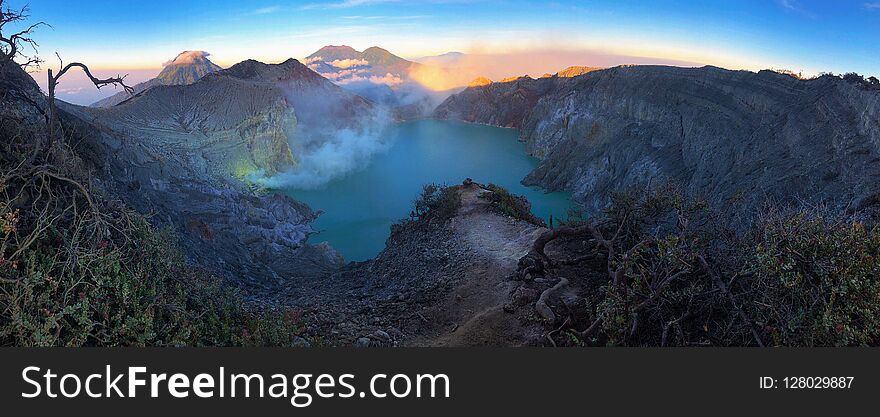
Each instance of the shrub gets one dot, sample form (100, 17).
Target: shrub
(507, 204)
(436, 203)
(670, 271)
(816, 281)
(870, 83)
(80, 270)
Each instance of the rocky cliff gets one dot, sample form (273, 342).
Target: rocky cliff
(176, 150)
(729, 136)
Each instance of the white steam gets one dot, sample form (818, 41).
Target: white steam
(336, 135)
(345, 152)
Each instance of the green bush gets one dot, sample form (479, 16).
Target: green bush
(816, 281)
(139, 294)
(684, 277)
(436, 203)
(78, 270)
(507, 204)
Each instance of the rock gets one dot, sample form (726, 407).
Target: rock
(523, 295)
(362, 342)
(380, 336)
(725, 136)
(301, 342)
(395, 333)
(190, 146)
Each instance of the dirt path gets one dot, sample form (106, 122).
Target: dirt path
(493, 237)
(433, 285)
(472, 313)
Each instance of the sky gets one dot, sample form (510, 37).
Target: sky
(136, 37)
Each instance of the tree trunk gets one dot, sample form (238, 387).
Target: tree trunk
(52, 113)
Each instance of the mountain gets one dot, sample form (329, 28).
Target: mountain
(186, 68)
(726, 136)
(185, 150)
(344, 64)
(333, 52)
(378, 75)
(442, 60)
(574, 71)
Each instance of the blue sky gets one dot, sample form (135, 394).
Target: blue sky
(801, 35)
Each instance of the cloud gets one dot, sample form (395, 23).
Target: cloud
(409, 17)
(309, 61)
(344, 74)
(345, 4)
(388, 79)
(267, 10)
(360, 76)
(348, 63)
(872, 6)
(446, 74)
(187, 57)
(71, 91)
(794, 6)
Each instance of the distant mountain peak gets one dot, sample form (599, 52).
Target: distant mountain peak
(189, 57)
(186, 68)
(574, 71)
(378, 56)
(334, 52)
(376, 49)
(375, 73)
(254, 70)
(337, 48)
(480, 82)
(514, 78)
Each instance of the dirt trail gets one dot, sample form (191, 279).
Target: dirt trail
(472, 313)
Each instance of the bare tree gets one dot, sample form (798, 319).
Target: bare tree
(98, 82)
(11, 48)
(11, 45)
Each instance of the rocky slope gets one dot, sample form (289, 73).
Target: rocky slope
(728, 136)
(187, 68)
(175, 150)
(434, 284)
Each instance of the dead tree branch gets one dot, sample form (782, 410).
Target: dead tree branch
(117, 80)
(11, 45)
(98, 82)
(724, 290)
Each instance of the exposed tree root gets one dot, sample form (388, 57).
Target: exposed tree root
(541, 306)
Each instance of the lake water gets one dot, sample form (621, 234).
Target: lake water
(360, 208)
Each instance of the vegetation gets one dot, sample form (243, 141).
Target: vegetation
(507, 204)
(670, 272)
(436, 203)
(868, 83)
(871, 83)
(78, 268)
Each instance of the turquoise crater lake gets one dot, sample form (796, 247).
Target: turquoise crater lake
(359, 209)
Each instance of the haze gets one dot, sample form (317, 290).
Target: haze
(512, 37)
